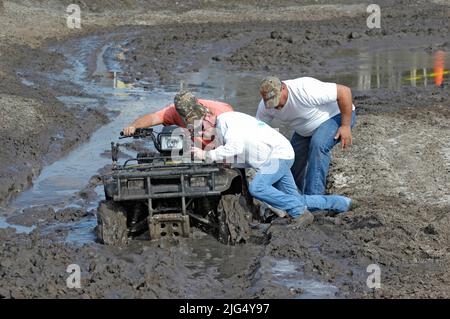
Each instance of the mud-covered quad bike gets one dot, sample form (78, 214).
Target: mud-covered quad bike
(164, 192)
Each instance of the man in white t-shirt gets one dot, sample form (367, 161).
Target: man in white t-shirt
(241, 136)
(321, 115)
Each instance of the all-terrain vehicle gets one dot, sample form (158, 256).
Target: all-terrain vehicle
(163, 192)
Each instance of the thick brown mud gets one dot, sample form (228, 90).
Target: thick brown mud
(397, 169)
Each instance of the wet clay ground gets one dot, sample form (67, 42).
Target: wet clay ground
(398, 168)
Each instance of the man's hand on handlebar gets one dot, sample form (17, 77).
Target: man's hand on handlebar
(138, 133)
(128, 131)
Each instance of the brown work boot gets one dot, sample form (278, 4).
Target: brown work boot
(304, 219)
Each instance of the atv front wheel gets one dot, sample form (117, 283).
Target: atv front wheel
(111, 223)
(232, 217)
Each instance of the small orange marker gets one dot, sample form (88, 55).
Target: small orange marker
(439, 58)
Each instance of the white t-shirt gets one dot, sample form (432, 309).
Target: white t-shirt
(254, 142)
(310, 103)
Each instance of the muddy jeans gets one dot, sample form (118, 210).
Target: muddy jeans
(275, 185)
(313, 156)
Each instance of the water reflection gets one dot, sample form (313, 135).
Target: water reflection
(391, 69)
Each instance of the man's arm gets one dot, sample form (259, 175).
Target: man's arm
(344, 100)
(234, 147)
(233, 144)
(221, 153)
(146, 120)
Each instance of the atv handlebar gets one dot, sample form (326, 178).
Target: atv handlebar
(138, 133)
(157, 137)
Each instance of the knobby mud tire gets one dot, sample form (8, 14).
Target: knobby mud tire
(232, 216)
(111, 224)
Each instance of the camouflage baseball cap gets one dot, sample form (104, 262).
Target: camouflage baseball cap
(188, 107)
(270, 89)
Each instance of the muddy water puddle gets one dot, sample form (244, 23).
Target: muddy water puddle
(59, 181)
(18, 228)
(364, 70)
(360, 69)
(288, 277)
(287, 273)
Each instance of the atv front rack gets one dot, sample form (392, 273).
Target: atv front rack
(179, 182)
(182, 184)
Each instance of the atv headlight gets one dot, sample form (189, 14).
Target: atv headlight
(170, 142)
(198, 181)
(135, 183)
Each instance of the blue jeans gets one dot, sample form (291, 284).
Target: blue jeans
(313, 156)
(275, 185)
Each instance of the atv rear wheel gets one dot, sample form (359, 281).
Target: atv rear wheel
(111, 223)
(232, 217)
